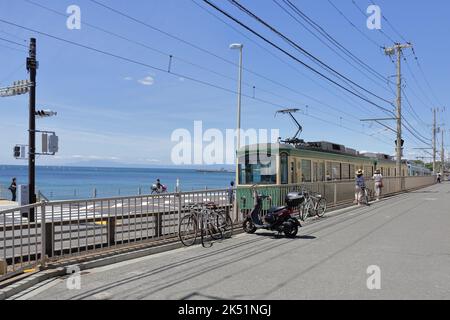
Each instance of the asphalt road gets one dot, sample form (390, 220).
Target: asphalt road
(407, 237)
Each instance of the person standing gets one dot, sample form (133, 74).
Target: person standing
(360, 184)
(378, 178)
(231, 192)
(13, 189)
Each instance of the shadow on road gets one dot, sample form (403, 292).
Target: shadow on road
(275, 235)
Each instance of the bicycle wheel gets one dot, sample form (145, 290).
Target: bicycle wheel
(226, 225)
(188, 230)
(321, 207)
(307, 210)
(214, 225)
(366, 197)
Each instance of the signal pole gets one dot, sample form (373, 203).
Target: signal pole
(32, 66)
(397, 49)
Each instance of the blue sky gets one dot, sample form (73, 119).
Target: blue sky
(114, 112)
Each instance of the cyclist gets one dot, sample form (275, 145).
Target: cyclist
(158, 187)
(360, 185)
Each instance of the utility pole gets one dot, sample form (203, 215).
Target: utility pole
(32, 66)
(442, 154)
(434, 141)
(397, 49)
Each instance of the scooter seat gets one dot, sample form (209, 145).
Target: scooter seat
(276, 209)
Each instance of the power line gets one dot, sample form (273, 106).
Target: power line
(294, 58)
(125, 59)
(354, 26)
(379, 30)
(332, 39)
(304, 51)
(96, 27)
(390, 25)
(13, 42)
(356, 105)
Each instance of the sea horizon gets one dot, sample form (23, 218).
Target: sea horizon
(67, 182)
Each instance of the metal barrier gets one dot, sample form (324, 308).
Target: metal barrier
(67, 229)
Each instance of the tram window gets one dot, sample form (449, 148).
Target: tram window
(258, 173)
(321, 172)
(329, 169)
(284, 168)
(306, 170)
(336, 171)
(345, 171)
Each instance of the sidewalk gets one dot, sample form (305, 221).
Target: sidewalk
(5, 205)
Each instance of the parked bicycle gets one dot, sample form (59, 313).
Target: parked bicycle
(367, 194)
(206, 220)
(314, 205)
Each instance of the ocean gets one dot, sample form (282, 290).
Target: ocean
(67, 183)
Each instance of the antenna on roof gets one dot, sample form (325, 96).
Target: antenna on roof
(294, 140)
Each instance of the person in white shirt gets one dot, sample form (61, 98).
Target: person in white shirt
(378, 183)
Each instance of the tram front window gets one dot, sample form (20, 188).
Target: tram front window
(258, 173)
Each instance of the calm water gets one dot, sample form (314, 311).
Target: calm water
(64, 183)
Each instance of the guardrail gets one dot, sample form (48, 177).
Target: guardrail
(67, 229)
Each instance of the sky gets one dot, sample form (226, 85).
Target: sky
(115, 112)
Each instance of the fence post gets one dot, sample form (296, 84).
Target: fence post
(43, 235)
(158, 224)
(49, 238)
(3, 267)
(335, 194)
(179, 208)
(111, 231)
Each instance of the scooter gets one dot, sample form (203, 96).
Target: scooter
(278, 219)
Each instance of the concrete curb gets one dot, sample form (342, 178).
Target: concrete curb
(30, 282)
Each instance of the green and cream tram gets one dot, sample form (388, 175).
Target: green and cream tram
(280, 164)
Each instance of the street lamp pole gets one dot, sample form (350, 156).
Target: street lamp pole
(239, 47)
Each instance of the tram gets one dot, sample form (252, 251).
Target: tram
(284, 163)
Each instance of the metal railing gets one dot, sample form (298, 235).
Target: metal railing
(5, 194)
(68, 229)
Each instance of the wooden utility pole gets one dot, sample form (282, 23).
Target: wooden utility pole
(434, 141)
(397, 49)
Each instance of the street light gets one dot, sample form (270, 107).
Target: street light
(240, 47)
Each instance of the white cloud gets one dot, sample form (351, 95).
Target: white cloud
(147, 81)
(128, 78)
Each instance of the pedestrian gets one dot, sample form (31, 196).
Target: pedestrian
(13, 189)
(360, 184)
(231, 192)
(439, 178)
(378, 178)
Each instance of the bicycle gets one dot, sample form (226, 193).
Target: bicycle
(367, 195)
(313, 205)
(204, 219)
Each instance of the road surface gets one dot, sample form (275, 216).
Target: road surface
(406, 237)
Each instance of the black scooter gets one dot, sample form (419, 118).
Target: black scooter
(278, 219)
